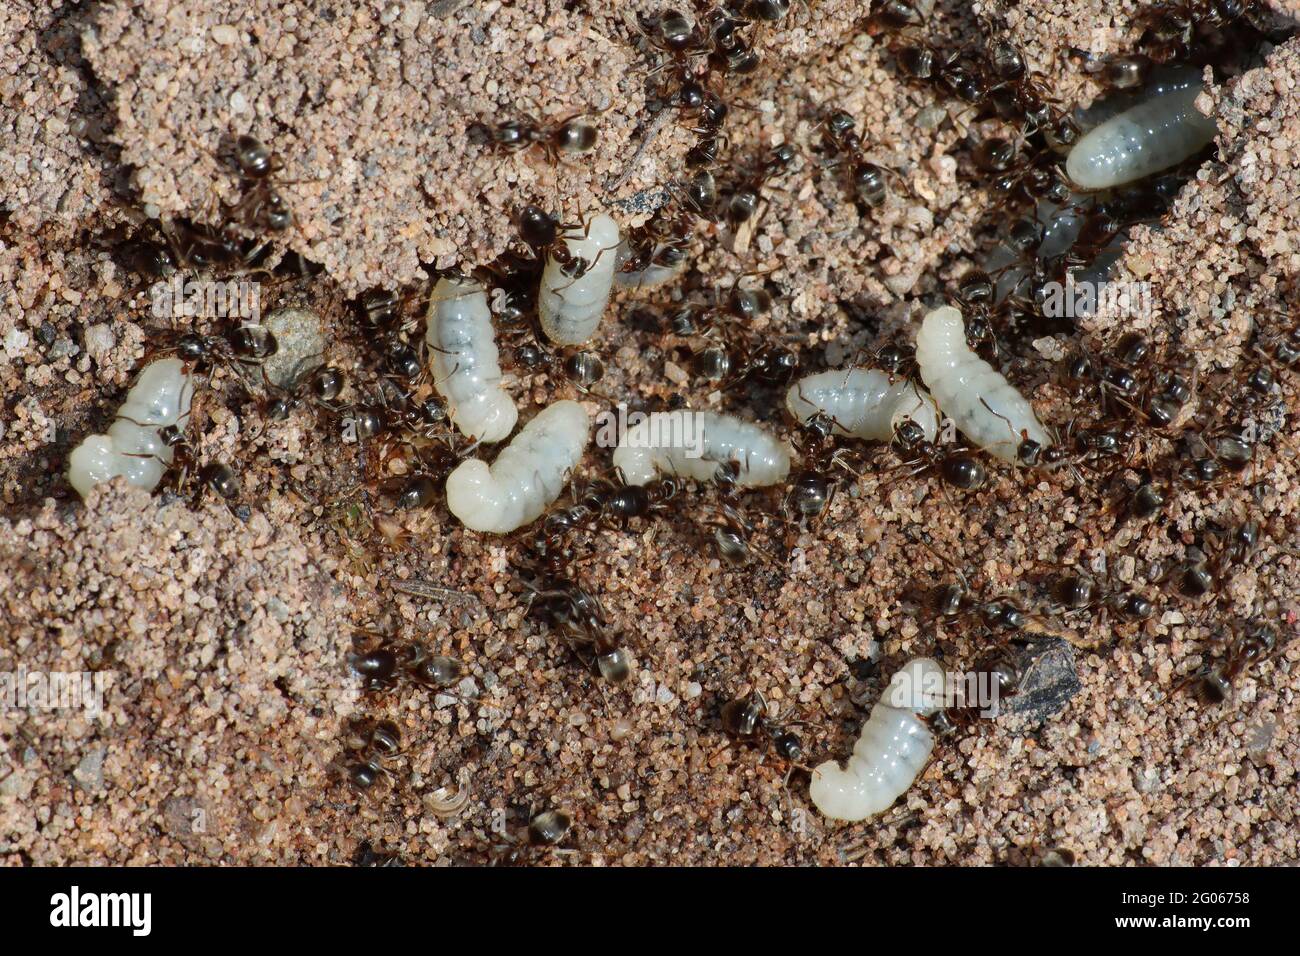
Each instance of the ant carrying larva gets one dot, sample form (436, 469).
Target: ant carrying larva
(577, 280)
(984, 406)
(465, 361)
(691, 444)
(134, 446)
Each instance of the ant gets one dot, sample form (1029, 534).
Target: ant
(570, 136)
(813, 489)
(382, 665)
(1077, 592)
(951, 601)
(243, 345)
(1199, 572)
(581, 618)
(742, 306)
(545, 829)
(1116, 72)
(262, 205)
(202, 247)
(731, 52)
(746, 718)
(542, 233)
(220, 479)
(741, 202)
(321, 383)
(870, 181)
(732, 531)
(662, 243)
(773, 365)
(148, 258)
(618, 502)
(957, 467)
(1002, 676)
(1214, 684)
(370, 746)
(581, 367)
(699, 194)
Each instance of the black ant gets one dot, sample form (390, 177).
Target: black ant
(746, 718)
(570, 136)
(870, 180)
(262, 205)
(957, 467)
(1214, 684)
(773, 365)
(952, 601)
(616, 502)
(1002, 677)
(663, 243)
(1078, 592)
(370, 746)
(739, 203)
(544, 235)
(321, 383)
(1116, 72)
(813, 489)
(545, 830)
(582, 620)
(583, 368)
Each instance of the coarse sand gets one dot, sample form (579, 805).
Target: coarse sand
(223, 631)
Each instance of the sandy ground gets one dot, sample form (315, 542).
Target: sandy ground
(226, 631)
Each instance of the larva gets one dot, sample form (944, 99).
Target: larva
(692, 445)
(984, 405)
(570, 306)
(1159, 132)
(891, 751)
(864, 403)
(134, 446)
(466, 364)
(527, 476)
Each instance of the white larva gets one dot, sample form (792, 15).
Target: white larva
(864, 403)
(133, 447)
(689, 444)
(891, 751)
(570, 308)
(526, 477)
(985, 407)
(465, 362)
(1157, 133)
